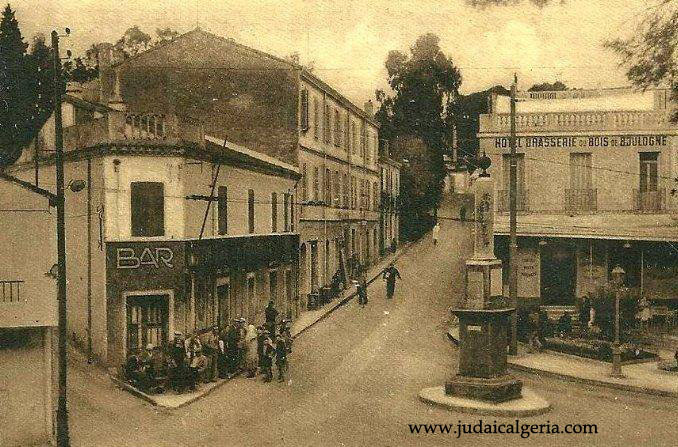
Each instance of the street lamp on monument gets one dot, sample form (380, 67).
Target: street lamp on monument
(618, 281)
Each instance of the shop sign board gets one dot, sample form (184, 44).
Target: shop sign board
(571, 142)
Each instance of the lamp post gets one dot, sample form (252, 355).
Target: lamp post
(618, 279)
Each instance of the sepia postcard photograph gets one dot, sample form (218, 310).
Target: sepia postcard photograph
(322, 223)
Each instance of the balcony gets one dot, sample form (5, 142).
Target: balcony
(133, 127)
(649, 201)
(575, 121)
(503, 200)
(18, 310)
(581, 200)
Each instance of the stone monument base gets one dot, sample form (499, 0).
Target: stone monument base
(529, 404)
(494, 389)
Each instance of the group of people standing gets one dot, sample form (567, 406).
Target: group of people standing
(213, 354)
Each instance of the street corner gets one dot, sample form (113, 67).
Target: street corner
(169, 399)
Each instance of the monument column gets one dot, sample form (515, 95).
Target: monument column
(482, 384)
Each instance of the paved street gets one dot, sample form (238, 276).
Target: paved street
(354, 381)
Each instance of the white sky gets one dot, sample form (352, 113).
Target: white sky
(349, 39)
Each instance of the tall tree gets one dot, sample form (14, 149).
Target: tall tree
(165, 35)
(133, 42)
(16, 98)
(651, 53)
(466, 119)
(41, 80)
(425, 86)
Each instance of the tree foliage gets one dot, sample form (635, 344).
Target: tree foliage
(466, 118)
(164, 35)
(16, 97)
(133, 42)
(425, 85)
(547, 86)
(651, 53)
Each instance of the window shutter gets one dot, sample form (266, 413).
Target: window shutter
(148, 209)
(222, 210)
(304, 110)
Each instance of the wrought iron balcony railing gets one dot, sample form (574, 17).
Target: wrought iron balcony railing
(503, 200)
(649, 201)
(581, 199)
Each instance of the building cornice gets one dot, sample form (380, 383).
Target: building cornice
(181, 149)
(337, 159)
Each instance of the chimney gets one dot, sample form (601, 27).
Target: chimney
(369, 108)
(104, 55)
(115, 101)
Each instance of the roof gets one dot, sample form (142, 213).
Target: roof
(620, 226)
(589, 101)
(313, 79)
(289, 64)
(240, 153)
(390, 161)
(89, 105)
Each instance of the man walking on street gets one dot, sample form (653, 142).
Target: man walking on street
(436, 232)
(390, 274)
(361, 286)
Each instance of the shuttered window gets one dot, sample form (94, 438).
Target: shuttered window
(304, 183)
(286, 212)
(337, 128)
(304, 110)
(250, 210)
(316, 119)
(222, 210)
(327, 125)
(148, 209)
(274, 212)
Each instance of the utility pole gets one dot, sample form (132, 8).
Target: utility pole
(63, 439)
(513, 244)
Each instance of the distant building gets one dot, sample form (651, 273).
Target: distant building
(596, 179)
(390, 201)
(157, 261)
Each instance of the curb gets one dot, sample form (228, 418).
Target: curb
(569, 378)
(140, 394)
(601, 383)
(537, 405)
(352, 295)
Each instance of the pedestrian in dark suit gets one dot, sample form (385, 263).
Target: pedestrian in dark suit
(281, 351)
(389, 275)
(361, 286)
(271, 316)
(267, 358)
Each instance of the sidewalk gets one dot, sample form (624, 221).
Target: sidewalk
(170, 399)
(311, 317)
(307, 319)
(642, 377)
